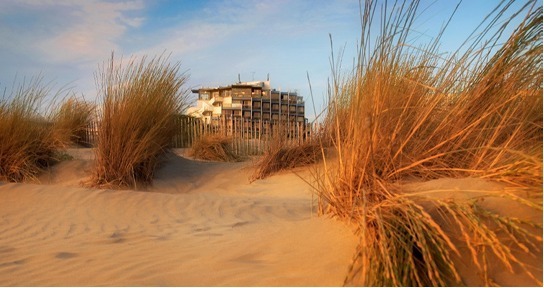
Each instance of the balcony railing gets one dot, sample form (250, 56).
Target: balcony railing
(232, 105)
(241, 96)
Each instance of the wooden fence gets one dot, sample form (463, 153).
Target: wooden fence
(250, 137)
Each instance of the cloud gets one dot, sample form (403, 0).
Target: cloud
(229, 33)
(216, 40)
(63, 39)
(64, 31)
(97, 28)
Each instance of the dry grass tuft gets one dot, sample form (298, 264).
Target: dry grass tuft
(402, 245)
(408, 113)
(137, 119)
(72, 120)
(28, 141)
(214, 148)
(282, 155)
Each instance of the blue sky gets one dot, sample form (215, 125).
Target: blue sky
(66, 40)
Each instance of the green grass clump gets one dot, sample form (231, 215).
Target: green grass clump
(28, 141)
(409, 113)
(214, 148)
(137, 119)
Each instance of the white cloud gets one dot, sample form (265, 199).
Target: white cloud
(61, 31)
(63, 39)
(97, 28)
(70, 38)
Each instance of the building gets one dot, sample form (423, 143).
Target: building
(249, 102)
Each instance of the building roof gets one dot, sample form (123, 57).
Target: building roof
(265, 85)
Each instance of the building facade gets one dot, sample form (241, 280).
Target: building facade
(251, 102)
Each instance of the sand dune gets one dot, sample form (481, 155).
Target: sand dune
(473, 188)
(200, 224)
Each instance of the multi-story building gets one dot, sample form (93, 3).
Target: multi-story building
(252, 102)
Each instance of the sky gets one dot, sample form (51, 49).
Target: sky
(65, 41)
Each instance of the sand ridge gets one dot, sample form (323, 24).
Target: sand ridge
(200, 224)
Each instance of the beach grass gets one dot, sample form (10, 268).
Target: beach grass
(283, 154)
(72, 119)
(28, 140)
(406, 113)
(214, 148)
(140, 100)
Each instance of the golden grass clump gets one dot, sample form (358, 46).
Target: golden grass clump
(282, 155)
(137, 119)
(72, 119)
(409, 113)
(214, 148)
(27, 138)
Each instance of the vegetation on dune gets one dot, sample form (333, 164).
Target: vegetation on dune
(72, 119)
(282, 155)
(409, 113)
(214, 148)
(29, 141)
(137, 118)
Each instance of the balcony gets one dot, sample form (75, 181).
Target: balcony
(216, 110)
(232, 105)
(246, 104)
(241, 96)
(256, 94)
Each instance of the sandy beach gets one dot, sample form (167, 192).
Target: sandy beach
(200, 224)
